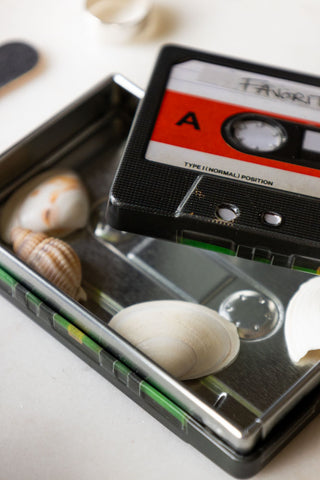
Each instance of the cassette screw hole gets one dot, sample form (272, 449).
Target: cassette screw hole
(228, 213)
(273, 219)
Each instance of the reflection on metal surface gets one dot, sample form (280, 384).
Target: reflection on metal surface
(254, 314)
(102, 230)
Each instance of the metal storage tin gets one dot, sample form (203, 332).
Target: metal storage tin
(240, 417)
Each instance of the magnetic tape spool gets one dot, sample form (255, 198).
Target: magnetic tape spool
(225, 155)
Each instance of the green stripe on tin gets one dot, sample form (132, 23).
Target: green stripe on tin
(217, 386)
(121, 367)
(33, 299)
(262, 260)
(207, 246)
(91, 344)
(77, 334)
(306, 270)
(6, 278)
(62, 321)
(164, 402)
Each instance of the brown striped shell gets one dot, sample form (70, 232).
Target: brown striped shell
(53, 258)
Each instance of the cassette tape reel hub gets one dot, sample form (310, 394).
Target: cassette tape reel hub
(254, 133)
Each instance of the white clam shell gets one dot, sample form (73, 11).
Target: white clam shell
(186, 339)
(54, 202)
(302, 323)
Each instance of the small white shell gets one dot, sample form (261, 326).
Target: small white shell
(52, 258)
(54, 202)
(186, 339)
(302, 324)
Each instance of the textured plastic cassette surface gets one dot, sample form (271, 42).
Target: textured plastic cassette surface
(225, 154)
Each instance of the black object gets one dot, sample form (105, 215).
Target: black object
(16, 58)
(197, 169)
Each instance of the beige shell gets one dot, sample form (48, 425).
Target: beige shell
(186, 339)
(54, 202)
(52, 258)
(302, 323)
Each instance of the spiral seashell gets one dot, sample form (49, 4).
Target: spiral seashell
(53, 258)
(186, 339)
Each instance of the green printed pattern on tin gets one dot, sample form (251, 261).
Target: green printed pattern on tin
(164, 402)
(122, 368)
(227, 251)
(33, 299)
(306, 270)
(6, 278)
(77, 334)
(262, 260)
(207, 246)
(145, 389)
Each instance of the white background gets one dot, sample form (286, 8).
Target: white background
(58, 418)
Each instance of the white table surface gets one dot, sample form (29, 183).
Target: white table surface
(58, 418)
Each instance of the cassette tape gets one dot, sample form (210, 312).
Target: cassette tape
(225, 155)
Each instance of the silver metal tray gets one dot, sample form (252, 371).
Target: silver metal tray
(245, 402)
